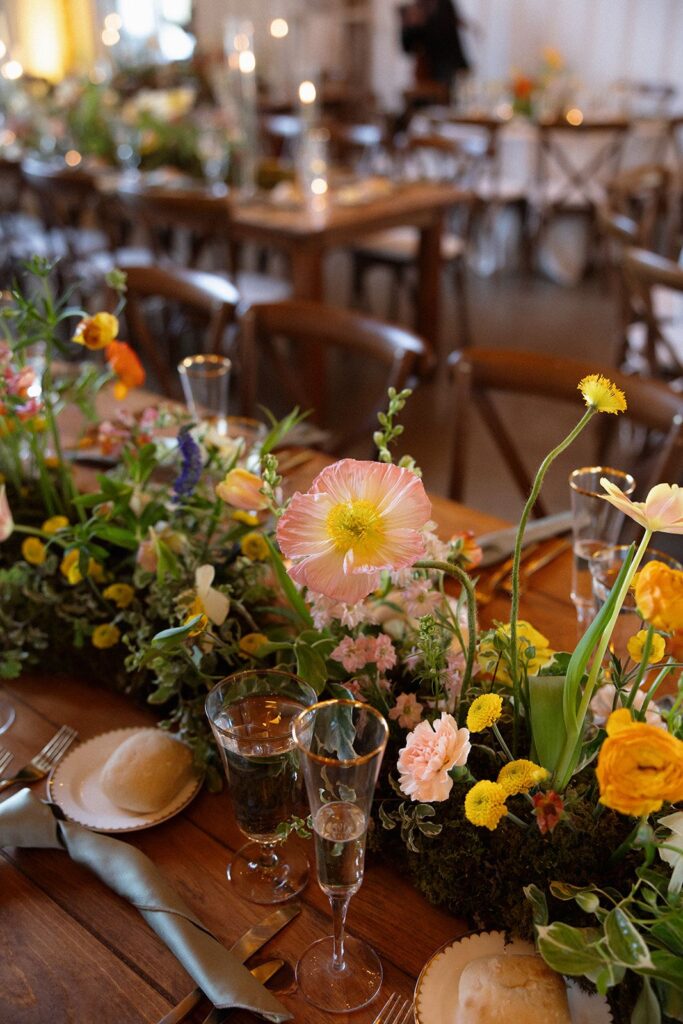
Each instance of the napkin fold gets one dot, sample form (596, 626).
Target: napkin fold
(27, 822)
(499, 544)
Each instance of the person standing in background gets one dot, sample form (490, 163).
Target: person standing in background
(430, 30)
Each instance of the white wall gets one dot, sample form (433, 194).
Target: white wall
(601, 40)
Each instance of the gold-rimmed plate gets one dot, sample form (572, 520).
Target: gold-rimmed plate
(436, 991)
(74, 785)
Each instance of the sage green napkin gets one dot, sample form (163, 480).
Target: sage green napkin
(26, 821)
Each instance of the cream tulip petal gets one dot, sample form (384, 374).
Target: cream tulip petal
(203, 578)
(216, 605)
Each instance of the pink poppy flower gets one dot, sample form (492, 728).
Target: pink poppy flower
(662, 510)
(6, 521)
(358, 519)
(430, 752)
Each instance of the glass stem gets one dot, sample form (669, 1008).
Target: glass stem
(340, 905)
(267, 857)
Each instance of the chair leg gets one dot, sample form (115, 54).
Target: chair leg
(460, 277)
(358, 269)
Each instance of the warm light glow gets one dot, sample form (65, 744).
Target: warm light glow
(42, 37)
(110, 37)
(12, 70)
(279, 28)
(307, 93)
(247, 62)
(241, 41)
(3, 49)
(574, 116)
(7, 138)
(318, 186)
(113, 22)
(72, 158)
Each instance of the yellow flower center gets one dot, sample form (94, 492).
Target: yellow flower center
(355, 523)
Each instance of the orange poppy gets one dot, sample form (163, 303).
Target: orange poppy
(127, 367)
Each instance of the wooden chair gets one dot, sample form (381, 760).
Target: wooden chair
(206, 298)
(619, 233)
(442, 159)
(290, 342)
(478, 375)
(654, 288)
(356, 145)
(644, 193)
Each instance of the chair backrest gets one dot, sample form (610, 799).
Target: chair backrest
(64, 196)
(645, 275)
(569, 173)
(644, 194)
(161, 211)
(355, 145)
(479, 374)
(293, 340)
(208, 297)
(280, 134)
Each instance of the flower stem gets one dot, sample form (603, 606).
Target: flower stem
(502, 742)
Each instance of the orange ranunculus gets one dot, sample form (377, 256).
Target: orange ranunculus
(639, 766)
(127, 367)
(659, 596)
(96, 331)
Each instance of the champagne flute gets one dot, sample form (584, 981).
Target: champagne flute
(251, 717)
(342, 743)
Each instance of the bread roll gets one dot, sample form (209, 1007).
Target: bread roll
(146, 771)
(511, 989)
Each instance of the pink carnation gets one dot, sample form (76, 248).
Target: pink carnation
(430, 752)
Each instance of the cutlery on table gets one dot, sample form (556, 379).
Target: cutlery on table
(544, 557)
(486, 588)
(500, 543)
(395, 1011)
(45, 760)
(263, 973)
(5, 758)
(246, 946)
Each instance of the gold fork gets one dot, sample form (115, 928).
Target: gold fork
(45, 760)
(5, 758)
(395, 1011)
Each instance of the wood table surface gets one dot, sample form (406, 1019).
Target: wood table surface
(71, 950)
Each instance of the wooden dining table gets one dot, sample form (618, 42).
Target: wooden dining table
(72, 950)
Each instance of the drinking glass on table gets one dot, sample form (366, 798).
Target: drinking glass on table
(596, 524)
(205, 380)
(342, 744)
(251, 717)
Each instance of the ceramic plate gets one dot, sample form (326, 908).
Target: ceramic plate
(74, 785)
(436, 992)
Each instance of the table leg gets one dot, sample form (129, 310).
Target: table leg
(429, 288)
(307, 283)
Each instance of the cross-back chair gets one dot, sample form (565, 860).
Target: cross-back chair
(619, 233)
(189, 296)
(644, 194)
(479, 376)
(439, 158)
(655, 296)
(292, 342)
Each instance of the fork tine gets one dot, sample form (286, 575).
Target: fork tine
(45, 762)
(53, 742)
(385, 1014)
(5, 758)
(407, 1014)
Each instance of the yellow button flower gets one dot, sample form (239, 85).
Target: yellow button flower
(601, 394)
(640, 767)
(636, 646)
(70, 568)
(33, 551)
(55, 523)
(254, 546)
(105, 636)
(520, 776)
(485, 710)
(490, 660)
(97, 331)
(248, 518)
(251, 642)
(485, 804)
(120, 593)
(659, 596)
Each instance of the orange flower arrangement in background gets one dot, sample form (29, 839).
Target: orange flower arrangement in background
(127, 367)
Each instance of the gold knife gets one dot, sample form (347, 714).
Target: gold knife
(246, 946)
(543, 558)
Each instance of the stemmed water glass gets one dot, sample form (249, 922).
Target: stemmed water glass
(205, 381)
(251, 717)
(342, 744)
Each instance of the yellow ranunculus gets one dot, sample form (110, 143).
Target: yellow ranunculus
(250, 643)
(55, 523)
(120, 593)
(254, 546)
(485, 804)
(97, 331)
(659, 596)
(484, 711)
(33, 551)
(601, 394)
(636, 646)
(105, 636)
(70, 569)
(527, 636)
(640, 767)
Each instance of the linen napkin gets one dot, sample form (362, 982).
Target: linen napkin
(26, 821)
(499, 544)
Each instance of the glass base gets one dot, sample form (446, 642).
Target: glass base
(7, 714)
(268, 874)
(339, 991)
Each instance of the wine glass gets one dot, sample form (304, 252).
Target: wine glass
(205, 381)
(342, 743)
(251, 717)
